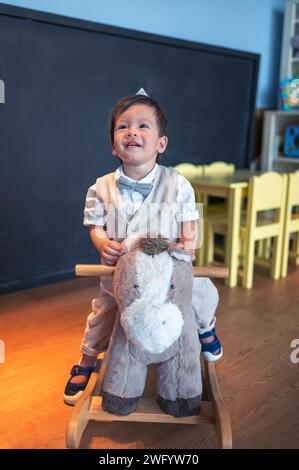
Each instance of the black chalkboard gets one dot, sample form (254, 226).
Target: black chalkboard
(61, 78)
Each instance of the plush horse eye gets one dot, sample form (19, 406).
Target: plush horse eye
(171, 286)
(136, 286)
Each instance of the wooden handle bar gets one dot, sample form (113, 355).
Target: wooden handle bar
(210, 271)
(94, 270)
(101, 270)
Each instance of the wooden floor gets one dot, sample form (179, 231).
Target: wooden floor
(42, 329)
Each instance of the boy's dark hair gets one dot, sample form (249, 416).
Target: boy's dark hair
(125, 103)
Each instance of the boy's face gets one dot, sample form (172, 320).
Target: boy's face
(136, 136)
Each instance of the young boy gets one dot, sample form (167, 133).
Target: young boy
(117, 212)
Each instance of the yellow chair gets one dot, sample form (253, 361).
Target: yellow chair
(291, 225)
(216, 169)
(189, 170)
(219, 168)
(213, 205)
(267, 193)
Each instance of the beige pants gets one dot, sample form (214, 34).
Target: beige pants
(100, 322)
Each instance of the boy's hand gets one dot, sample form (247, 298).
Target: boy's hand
(110, 252)
(179, 246)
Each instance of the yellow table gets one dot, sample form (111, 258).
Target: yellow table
(233, 188)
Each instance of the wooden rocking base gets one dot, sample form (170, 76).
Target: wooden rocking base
(89, 408)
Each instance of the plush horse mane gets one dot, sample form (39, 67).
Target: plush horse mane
(155, 246)
(152, 246)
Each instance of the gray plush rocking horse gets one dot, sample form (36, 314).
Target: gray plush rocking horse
(155, 324)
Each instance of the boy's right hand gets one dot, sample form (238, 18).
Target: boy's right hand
(110, 252)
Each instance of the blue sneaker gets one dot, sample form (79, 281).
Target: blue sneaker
(208, 349)
(73, 391)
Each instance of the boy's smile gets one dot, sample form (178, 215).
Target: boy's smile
(137, 141)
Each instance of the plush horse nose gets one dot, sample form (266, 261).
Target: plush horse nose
(153, 328)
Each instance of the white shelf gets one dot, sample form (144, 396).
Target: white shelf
(274, 126)
(285, 114)
(283, 159)
(275, 121)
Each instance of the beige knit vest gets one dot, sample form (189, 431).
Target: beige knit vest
(155, 217)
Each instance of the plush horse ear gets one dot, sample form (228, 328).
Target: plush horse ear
(130, 243)
(124, 250)
(179, 254)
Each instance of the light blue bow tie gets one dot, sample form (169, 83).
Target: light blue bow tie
(143, 188)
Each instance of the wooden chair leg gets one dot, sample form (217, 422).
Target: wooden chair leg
(199, 261)
(285, 255)
(241, 253)
(201, 241)
(277, 256)
(248, 263)
(209, 252)
(199, 257)
(260, 248)
(267, 248)
(296, 248)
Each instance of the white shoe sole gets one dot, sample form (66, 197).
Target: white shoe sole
(209, 357)
(72, 399)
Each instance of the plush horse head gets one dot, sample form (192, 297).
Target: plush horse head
(153, 319)
(155, 324)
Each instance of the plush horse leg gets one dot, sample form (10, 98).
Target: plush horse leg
(125, 378)
(179, 383)
(125, 388)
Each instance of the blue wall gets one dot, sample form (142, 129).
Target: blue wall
(249, 25)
